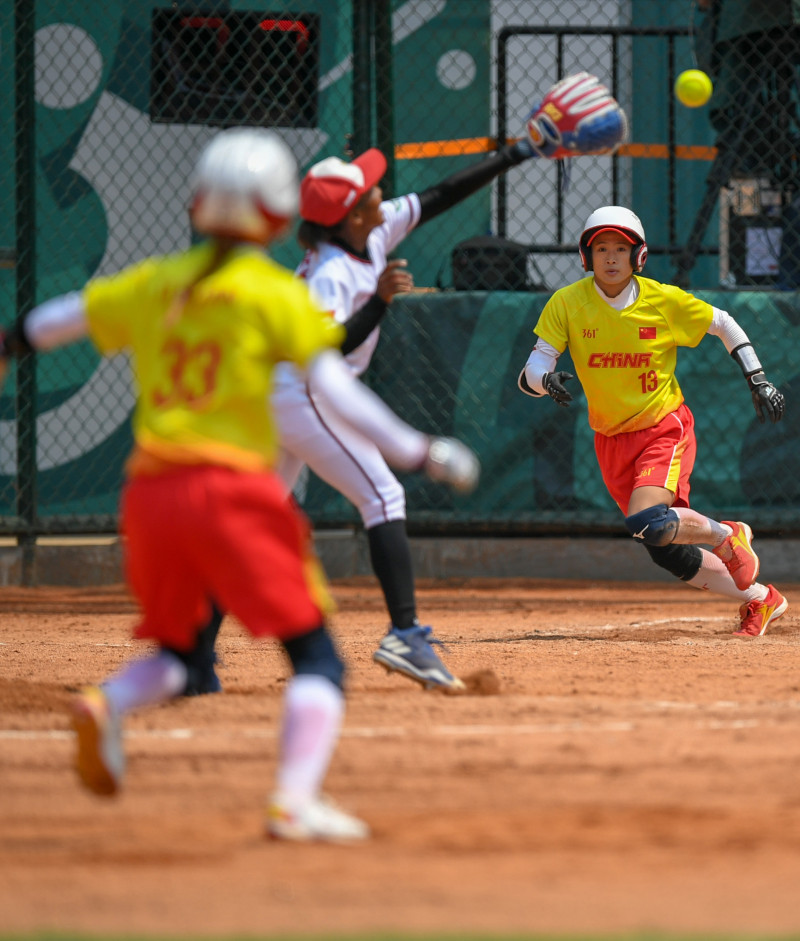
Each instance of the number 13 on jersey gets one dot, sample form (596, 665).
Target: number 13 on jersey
(649, 380)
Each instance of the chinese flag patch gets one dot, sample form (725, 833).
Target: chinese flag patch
(647, 333)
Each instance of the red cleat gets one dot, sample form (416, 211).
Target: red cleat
(758, 615)
(738, 556)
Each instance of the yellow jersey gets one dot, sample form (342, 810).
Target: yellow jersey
(625, 360)
(203, 353)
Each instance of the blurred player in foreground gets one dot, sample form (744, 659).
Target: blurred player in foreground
(348, 232)
(623, 332)
(203, 512)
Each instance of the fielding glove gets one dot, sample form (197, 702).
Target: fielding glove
(578, 116)
(553, 383)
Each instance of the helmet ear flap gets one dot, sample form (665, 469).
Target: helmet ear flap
(638, 256)
(586, 255)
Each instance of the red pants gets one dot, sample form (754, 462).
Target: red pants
(201, 533)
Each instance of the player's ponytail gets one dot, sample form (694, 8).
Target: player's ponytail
(311, 235)
(220, 251)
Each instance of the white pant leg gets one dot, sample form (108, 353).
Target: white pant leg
(288, 467)
(342, 457)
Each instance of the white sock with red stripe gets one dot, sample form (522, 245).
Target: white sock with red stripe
(714, 577)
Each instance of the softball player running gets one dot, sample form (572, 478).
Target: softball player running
(348, 232)
(623, 332)
(203, 512)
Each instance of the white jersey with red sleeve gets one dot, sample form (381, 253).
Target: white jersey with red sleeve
(309, 433)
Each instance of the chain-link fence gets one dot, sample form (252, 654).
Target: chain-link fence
(108, 104)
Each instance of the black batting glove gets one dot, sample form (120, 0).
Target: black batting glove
(6, 345)
(767, 400)
(13, 343)
(553, 383)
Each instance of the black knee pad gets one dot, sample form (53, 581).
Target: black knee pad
(314, 654)
(681, 561)
(655, 526)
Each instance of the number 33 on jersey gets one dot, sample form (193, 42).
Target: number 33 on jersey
(184, 363)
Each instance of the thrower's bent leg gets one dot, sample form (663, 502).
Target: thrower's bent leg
(353, 465)
(390, 555)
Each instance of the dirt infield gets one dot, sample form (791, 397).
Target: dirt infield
(638, 769)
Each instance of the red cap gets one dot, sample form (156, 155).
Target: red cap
(612, 228)
(332, 187)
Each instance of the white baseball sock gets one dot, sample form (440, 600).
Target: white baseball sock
(714, 577)
(144, 682)
(314, 708)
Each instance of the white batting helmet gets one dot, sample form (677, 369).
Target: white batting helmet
(245, 186)
(615, 219)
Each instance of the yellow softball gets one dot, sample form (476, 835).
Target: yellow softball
(693, 88)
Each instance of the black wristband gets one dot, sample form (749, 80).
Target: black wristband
(516, 153)
(526, 387)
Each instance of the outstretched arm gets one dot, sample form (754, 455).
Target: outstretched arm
(54, 323)
(577, 116)
(455, 188)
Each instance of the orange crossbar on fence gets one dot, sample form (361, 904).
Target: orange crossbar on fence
(481, 145)
(661, 151)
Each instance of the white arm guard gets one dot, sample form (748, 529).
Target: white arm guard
(726, 328)
(56, 322)
(768, 402)
(543, 359)
(736, 343)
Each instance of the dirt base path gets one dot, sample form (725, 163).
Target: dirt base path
(638, 768)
